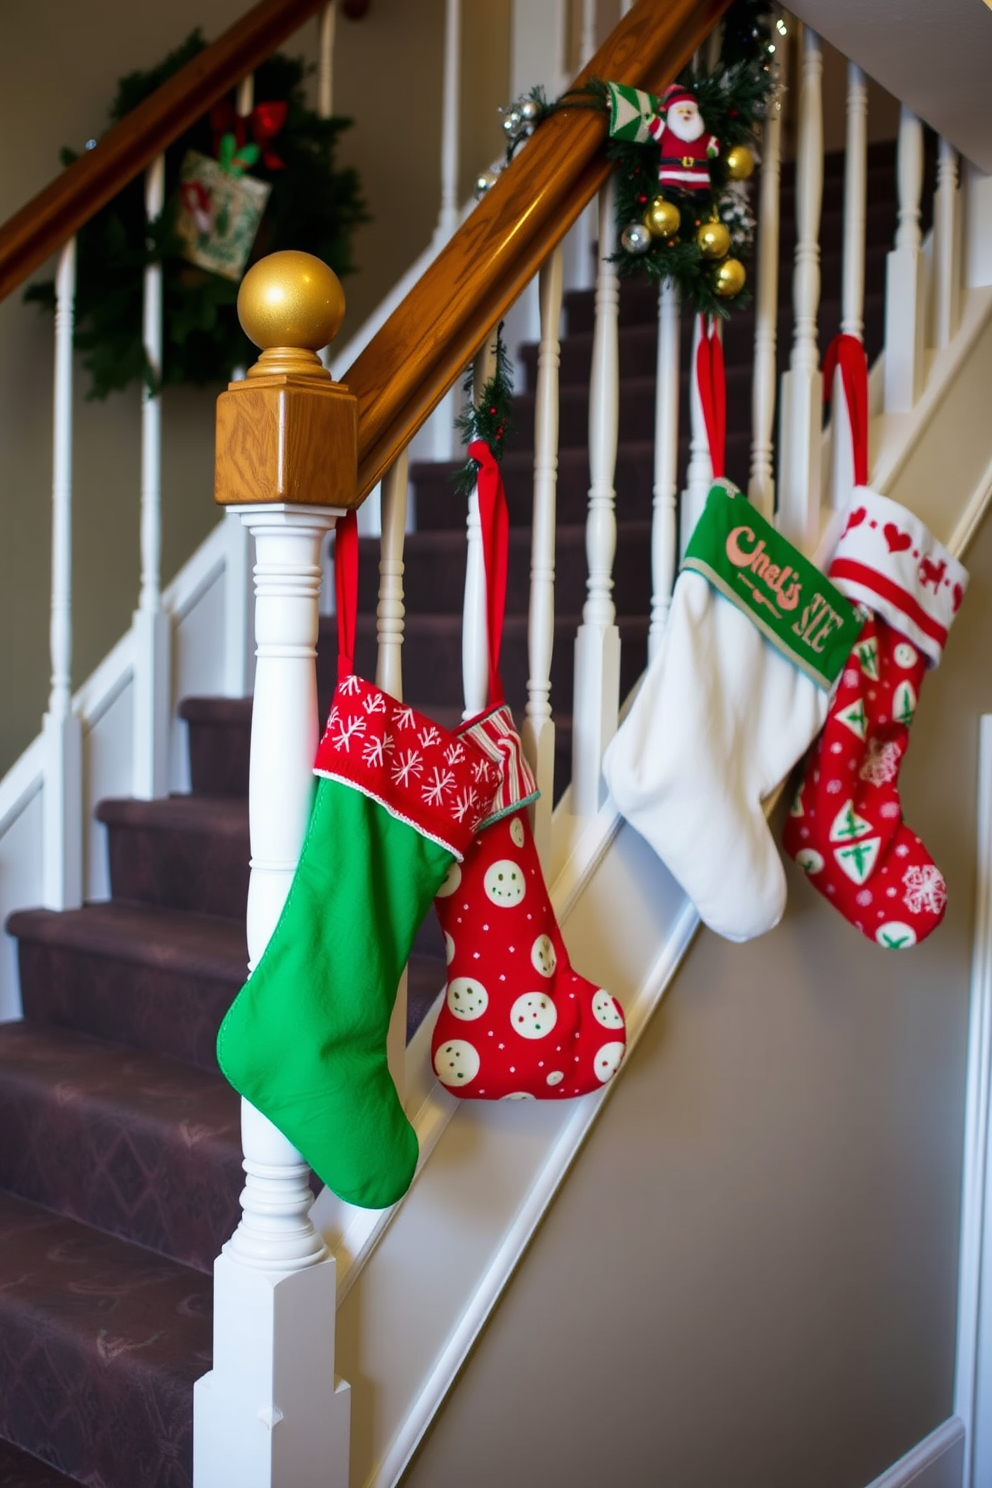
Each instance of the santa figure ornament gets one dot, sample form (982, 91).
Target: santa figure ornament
(686, 148)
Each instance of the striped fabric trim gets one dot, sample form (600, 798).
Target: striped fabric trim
(899, 607)
(496, 735)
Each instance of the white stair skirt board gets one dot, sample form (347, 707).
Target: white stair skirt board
(935, 1462)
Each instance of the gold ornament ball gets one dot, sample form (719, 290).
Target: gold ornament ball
(291, 299)
(729, 277)
(662, 218)
(739, 163)
(713, 239)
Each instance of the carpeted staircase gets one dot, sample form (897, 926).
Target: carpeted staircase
(119, 1140)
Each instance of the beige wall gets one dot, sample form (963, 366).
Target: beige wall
(59, 64)
(751, 1280)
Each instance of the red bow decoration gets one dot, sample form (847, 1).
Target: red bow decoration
(264, 123)
(847, 353)
(196, 199)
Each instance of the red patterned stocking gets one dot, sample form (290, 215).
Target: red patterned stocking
(846, 828)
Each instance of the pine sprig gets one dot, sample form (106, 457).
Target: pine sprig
(314, 205)
(491, 419)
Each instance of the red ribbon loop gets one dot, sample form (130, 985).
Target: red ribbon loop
(712, 384)
(263, 124)
(847, 353)
(495, 522)
(346, 590)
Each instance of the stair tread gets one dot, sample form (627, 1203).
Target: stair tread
(144, 935)
(19, 1469)
(135, 1144)
(217, 815)
(214, 709)
(100, 1343)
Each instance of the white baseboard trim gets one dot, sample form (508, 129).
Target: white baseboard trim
(935, 1462)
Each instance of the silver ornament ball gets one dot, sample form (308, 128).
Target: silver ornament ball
(635, 238)
(484, 182)
(529, 110)
(511, 127)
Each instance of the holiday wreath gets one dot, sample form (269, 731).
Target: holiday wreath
(294, 197)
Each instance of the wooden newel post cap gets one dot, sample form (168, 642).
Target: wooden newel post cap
(288, 432)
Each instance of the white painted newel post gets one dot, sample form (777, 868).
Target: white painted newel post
(596, 701)
(152, 638)
(63, 796)
(802, 385)
(904, 277)
(270, 1414)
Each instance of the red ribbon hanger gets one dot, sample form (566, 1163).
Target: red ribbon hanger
(847, 353)
(346, 590)
(712, 384)
(494, 520)
(263, 123)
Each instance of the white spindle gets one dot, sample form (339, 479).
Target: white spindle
(63, 794)
(389, 675)
(664, 524)
(239, 651)
(325, 61)
(852, 321)
(539, 728)
(802, 385)
(904, 299)
(699, 470)
(450, 88)
(580, 240)
(274, 1283)
(761, 485)
(946, 246)
(152, 697)
(597, 645)
(475, 652)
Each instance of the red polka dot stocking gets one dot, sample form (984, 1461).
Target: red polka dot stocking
(846, 828)
(517, 1022)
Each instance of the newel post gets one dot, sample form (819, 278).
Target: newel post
(271, 1414)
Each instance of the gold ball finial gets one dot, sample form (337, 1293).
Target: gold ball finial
(290, 301)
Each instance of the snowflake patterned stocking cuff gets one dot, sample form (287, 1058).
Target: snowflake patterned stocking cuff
(305, 1040)
(517, 1023)
(846, 828)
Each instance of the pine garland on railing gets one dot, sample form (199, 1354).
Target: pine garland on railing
(311, 205)
(489, 419)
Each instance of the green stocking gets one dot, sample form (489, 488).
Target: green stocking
(305, 1040)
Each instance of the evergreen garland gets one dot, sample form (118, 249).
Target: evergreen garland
(313, 206)
(491, 419)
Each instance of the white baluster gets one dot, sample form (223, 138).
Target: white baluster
(904, 271)
(761, 485)
(538, 731)
(802, 385)
(450, 90)
(597, 644)
(63, 795)
(664, 524)
(274, 1283)
(390, 614)
(699, 470)
(475, 652)
(946, 246)
(579, 243)
(325, 61)
(152, 697)
(852, 321)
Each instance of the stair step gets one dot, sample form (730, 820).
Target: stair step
(143, 1147)
(153, 979)
(100, 1343)
(434, 582)
(186, 852)
(216, 729)
(432, 658)
(20, 1469)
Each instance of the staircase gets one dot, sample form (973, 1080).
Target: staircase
(120, 1157)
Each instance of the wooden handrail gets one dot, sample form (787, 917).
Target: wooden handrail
(51, 217)
(425, 344)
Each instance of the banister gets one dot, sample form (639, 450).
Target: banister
(43, 224)
(419, 352)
